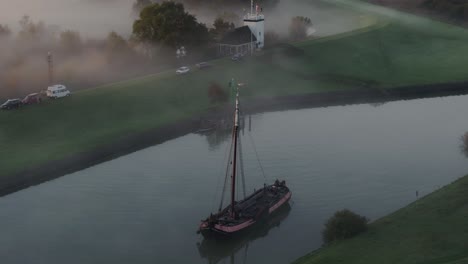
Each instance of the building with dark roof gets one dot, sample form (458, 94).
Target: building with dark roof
(245, 39)
(239, 41)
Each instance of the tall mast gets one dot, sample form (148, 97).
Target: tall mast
(234, 163)
(50, 62)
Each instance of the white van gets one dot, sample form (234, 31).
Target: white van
(57, 91)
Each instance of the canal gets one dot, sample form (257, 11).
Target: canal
(145, 207)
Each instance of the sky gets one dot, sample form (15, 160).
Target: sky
(96, 18)
(93, 18)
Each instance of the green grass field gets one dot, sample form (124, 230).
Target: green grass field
(432, 230)
(394, 51)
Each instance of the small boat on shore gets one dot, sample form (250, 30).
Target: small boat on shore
(257, 208)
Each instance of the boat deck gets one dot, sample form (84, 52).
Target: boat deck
(253, 207)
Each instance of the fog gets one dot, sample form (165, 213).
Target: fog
(93, 18)
(96, 18)
(23, 65)
(326, 18)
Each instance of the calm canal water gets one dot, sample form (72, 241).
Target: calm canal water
(145, 207)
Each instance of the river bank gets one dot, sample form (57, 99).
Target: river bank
(430, 230)
(360, 66)
(137, 141)
(140, 207)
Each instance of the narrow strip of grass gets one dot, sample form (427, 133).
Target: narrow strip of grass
(430, 230)
(95, 117)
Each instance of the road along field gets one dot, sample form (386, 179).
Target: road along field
(392, 50)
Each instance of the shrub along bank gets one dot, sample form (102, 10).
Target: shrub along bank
(431, 230)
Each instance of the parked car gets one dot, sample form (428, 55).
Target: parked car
(237, 57)
(34, 98)
(57, 91)
(11, 104)
(204, 65)
(183, 70)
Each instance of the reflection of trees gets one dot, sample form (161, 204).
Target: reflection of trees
(464, 145)
(219, 131)
(217, 136)
(236, 249)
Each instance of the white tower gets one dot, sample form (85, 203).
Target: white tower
(255, 20)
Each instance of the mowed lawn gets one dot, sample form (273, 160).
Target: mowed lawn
(392, 55)
(387, 54)
(432, 230)
(91, 118)
(407, 50)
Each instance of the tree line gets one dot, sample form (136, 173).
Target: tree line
(138, 5)
(159, 30)
(169, 24)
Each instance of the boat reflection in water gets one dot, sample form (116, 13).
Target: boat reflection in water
(236, 248)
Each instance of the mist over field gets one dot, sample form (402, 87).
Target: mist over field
(93, 18)
(87, 56)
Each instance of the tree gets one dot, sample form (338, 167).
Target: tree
(271, 38)
(116, 43)
(464, 145)
(221, 27)
(70, 40)
(299, 27)
(168, 24)
(231, 17)
(4, 31)
(344, 224)
(29, 30)
(118, 49)
(453, 9)
(140, 5)
(217, 94)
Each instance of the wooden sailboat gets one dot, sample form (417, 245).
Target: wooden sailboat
(254, 209)
(238, 247)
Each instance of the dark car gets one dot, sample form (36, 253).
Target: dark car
(237, 57)
(11, 103)
(33, 98)
(203, 65)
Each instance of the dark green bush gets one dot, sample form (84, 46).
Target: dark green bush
(344, 224)
(464, 145)
(216, 94)
(454, 9)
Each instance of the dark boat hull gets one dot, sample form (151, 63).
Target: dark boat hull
(216, 250)
(213, 233)
(216, 226)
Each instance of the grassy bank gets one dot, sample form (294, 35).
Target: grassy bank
(430, 230)
(392, 52)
